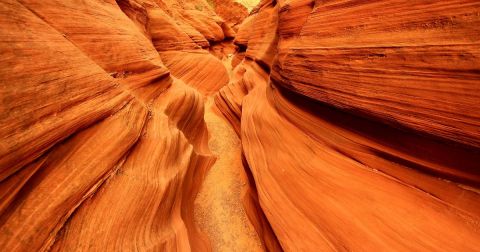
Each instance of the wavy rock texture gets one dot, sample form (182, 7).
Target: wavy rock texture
(358, 123)
(423, 65)
(104, 144)
(232, 12)
(172, 125)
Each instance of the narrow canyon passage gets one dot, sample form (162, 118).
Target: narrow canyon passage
(219, 207)
(239, 125)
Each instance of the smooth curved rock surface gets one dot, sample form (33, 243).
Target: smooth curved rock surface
(416, 69)
(102, 147)
(355, 125)
(354, 174)
(232, 12)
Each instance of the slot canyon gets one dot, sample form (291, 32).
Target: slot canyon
(240, 125)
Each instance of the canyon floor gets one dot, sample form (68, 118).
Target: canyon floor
(219, 205)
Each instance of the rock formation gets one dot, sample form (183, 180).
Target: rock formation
(233, 13)
(194, 125)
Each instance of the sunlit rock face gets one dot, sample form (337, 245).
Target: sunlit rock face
(195, 125)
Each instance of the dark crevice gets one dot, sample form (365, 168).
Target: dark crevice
(412, 144)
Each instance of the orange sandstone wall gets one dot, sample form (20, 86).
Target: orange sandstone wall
(103, 146)
(359, 123)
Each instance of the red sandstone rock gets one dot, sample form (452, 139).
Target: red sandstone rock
(398, 64)
(358, 120)
(350, 182)
(232, 12)
(96, 82)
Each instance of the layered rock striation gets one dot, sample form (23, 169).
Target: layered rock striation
(104, 144)
(358, 123)
(355, 125)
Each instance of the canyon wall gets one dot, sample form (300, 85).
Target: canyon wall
(356, 125)
(104, 143)
(359, 122)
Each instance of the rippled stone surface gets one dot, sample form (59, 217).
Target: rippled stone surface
(194, 125)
